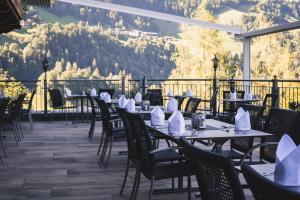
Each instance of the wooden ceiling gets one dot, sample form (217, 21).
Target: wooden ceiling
(11, 12)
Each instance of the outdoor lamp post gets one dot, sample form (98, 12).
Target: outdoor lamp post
(45, 65)
(216, 62)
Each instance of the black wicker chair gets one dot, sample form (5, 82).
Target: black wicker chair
(191, 106)
(278, 122)
(27, 111)
(3, 106)
(58, 102)
(111, 130)
(13, 117)
(241, 145)
(95, 116)
(180, 100)
(217, 178)
(270, 101)
(155, 164)
(111, 92)
(154, 96)
(265, 189)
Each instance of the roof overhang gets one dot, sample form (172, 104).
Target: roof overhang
(156, 15)
(267, 31)
(11, 12)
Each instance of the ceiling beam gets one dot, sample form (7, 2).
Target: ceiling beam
(155, 15)
(267, 31)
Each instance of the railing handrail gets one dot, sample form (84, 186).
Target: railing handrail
(76, 80)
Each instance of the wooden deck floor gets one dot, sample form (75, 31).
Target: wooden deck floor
(56, 161)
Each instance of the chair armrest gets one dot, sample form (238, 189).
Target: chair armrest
(256, 147)
(115, 120)
(164, 149)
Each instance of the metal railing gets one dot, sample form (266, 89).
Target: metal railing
(287, 90)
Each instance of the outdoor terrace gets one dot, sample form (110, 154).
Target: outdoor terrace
(58, 162)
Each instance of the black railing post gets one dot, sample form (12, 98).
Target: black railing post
(215, 86)
(123, 85)
(232, 84)
(275, 91)
(144, 85)
(45, 65)
(45, 96)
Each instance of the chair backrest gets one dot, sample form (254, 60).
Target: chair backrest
(265, 189)
(213, 99)
(56, 98)
(154, 96)
(229, 106)
(180, 100)
(131, 137)
(256, 115)
(3, 105)
(110, 91)
(143, 143)
(217, 178)
(270, 101)
(91, 100)
(192, 105)
(31, 99)
(278, 122)
(105, 118)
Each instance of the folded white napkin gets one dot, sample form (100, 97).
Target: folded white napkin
(130, 106)
(102, 95)
(122, 101)
(68, 92)
(172, 105)
(105, 97)
(157, 117)
(138, 97)
(189, 93)
(233, 95)
(93, 92)
(242, 120)
(176, 124)
(170, 93)
(287, 166)
(248, 96)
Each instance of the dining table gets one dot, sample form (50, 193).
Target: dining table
(216, 131)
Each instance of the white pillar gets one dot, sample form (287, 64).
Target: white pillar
(246, 62)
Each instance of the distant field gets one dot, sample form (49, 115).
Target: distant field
(51, 18)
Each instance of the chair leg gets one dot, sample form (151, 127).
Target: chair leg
(1, 159)
(125, 177)
(189, 188)
(30, 119)
(151, 188)
(92, 130)
(136, 184)
(20, 128)
(2, 144)
(15, 132)
(101, 141)
(102, 156)
(109, 152)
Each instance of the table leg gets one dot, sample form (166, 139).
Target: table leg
(218, 145)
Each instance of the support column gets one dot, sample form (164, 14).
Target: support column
(246, 62)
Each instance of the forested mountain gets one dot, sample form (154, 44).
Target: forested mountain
(99, 43)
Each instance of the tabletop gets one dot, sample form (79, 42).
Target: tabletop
(214, 130)
(267, 170)
(241, 100)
